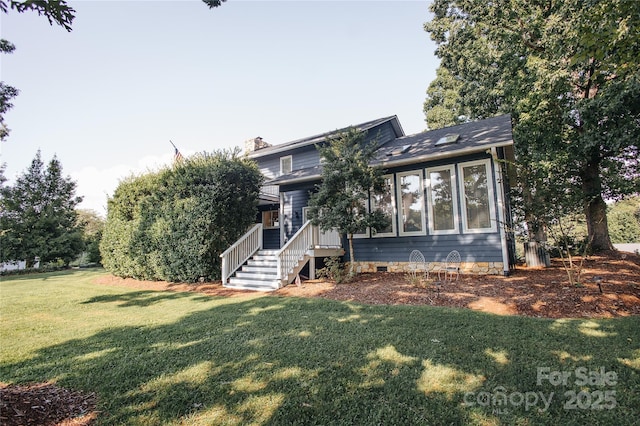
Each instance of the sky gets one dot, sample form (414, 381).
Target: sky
(107, 97)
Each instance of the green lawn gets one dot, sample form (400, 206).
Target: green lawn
(182, 358)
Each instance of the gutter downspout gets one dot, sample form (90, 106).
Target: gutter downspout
(501, 211)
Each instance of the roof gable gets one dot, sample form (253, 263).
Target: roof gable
(312, 140)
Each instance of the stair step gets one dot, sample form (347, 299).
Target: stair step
(255, 275)
(251, 284)
(259, 269)
(261, 258)
(272, 263)
(268, 252)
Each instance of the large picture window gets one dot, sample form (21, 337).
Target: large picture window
(386, 204)
(411, 203)
(442, 200)
(477, 190)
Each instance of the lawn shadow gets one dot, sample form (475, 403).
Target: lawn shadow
(286, 360)
(138, 298)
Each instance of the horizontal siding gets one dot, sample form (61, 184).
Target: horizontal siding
(472, 248)
(294, 201)
(301, 159)
(271, 239)
(305, 158)
(383, 133)
(308, 156)
(477, 247)
(269, 166)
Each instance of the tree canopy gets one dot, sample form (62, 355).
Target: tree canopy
(38, 217)
(567, 72)
(348, 179)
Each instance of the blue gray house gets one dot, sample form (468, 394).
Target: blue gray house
(447, 191)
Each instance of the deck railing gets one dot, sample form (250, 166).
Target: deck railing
(307, 238)
(241, 251)
(270, 191)
(329, 239)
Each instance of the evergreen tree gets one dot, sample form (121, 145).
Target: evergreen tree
(38, 217)
(347, 181)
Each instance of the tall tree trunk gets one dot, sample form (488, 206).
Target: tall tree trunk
(535, 226)
(595, 208)
(352, 258)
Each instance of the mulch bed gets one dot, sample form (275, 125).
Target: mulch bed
(528, 292)
(45, 404)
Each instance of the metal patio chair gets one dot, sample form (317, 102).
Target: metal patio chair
(451, 266)
(417, 264)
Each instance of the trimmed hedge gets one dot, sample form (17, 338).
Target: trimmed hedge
(173, 224)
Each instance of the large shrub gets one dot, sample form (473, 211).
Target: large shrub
(624, 221)
(173, 224)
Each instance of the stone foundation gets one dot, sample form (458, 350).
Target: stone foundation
(470, 268)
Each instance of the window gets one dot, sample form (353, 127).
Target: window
(270, 219)
(286, 165)
(411, 203)
(478, 215)
(443, 205)
(386, 204)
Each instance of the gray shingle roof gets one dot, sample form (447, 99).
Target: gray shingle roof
(473, 137)
(287, 146)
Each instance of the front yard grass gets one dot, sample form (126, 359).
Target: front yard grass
(184, 358)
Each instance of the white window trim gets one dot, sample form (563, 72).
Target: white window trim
(490, 189)
(290, 158)
(454, 186)
(399, 204)
(394, 210)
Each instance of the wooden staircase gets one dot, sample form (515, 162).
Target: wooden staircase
(260, 273)
(247, 266)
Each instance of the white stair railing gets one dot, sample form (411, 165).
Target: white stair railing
(241, 251)
(295, 249)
